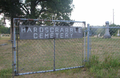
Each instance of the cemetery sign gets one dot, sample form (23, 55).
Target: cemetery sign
(50, 32)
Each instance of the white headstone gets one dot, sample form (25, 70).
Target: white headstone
(98, 35)
(107, 33)
(118, 33)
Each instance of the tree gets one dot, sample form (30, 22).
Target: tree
(59, 9)
(49, 9)
(1, 21)
(4, 30)
(113, 31)
(12, 9)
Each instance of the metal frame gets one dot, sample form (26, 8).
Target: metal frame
(88, 44)
(15, 56)
(49, 70)
(103, 27)
(14, 48)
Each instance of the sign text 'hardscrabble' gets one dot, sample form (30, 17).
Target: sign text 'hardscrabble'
(50, 32)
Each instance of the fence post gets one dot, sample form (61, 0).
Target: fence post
(84, 44)
(14, 49)
(88, 45)
(54, 52)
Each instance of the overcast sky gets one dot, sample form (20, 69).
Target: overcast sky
(96, 12)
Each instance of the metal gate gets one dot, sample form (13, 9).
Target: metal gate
(39, 53)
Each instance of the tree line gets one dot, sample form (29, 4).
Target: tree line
(101, 31)
(4, 30)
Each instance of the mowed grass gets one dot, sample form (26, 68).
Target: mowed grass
(5, 58)
(105, 47)
(105, 58)
(5, 53)
(37, 55)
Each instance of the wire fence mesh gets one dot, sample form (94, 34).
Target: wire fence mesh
(105, 47)
(48, 54)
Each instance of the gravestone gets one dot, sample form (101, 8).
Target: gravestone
(118, 33)
(107, 33)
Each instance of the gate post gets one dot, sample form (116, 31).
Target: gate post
(14, 48)
(54, 52)
(88, 44)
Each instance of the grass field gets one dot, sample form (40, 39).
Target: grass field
(105, 47)
(36, 55)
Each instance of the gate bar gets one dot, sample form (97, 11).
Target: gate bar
(104, 27)
(50, 70)
(49, 20)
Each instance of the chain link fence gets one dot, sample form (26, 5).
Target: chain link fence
(47, 54)
(38, 53)
(105, 41)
